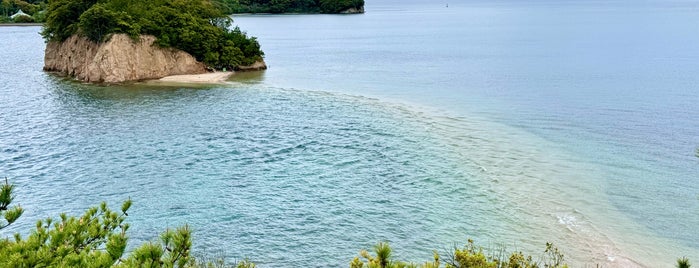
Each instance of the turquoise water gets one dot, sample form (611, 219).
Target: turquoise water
(512, 123)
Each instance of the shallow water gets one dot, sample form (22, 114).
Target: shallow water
(507, 122)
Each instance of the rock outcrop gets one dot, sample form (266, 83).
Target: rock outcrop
(118, 60)
(353, 10)
(257, 66)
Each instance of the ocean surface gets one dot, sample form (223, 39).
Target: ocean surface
(420, 123)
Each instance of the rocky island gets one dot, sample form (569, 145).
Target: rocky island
(120, 40)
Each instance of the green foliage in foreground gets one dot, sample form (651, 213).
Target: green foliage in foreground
(468, 256)
(98, 239)
(683, 263)
(9, 214)
(198, 27)
(290, 6)
(95, 239)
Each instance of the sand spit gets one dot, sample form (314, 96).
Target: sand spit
(205, 78)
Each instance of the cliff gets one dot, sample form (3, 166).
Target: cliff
(117, 60)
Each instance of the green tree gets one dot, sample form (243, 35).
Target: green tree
(29, 7)
(683, 263)
(466, 257)
(62, 18)
(9, 214)
(98, 22)
(6, 7)
(95, 239)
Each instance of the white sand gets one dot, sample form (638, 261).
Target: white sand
(206, 78)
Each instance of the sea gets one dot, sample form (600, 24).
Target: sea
(419, 123)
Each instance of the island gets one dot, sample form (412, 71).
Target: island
(114, 41)
(294, 6)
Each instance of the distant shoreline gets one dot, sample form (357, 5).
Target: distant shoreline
(20, 24)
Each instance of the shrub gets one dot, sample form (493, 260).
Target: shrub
(9, 214)
(39, 17)
(683, 263)
(95, 239)
(468, 256)
(97, 22)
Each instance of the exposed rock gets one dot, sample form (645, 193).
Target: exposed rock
(117, 60)
(257, 66)
(353, 10)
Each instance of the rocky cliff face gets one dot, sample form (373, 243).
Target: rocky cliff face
(117, 60)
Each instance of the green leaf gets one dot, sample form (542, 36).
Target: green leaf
(116, 246)
(6, 195)
(125, 206)
(13, 214)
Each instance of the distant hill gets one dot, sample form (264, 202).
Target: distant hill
(293, 6)
(32, 8)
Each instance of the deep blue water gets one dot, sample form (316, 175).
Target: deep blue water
(513, 122)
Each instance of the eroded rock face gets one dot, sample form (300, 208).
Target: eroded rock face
(353, 10)
(257, 66)
(117, 60)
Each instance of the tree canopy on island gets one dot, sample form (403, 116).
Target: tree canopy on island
(199, 27)
(291, 6)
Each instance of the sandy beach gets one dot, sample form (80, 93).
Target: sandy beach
(206, 78)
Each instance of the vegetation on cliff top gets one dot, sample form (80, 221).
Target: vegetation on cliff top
(291, 6)
(198, 27)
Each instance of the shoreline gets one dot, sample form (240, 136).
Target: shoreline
(205, 78)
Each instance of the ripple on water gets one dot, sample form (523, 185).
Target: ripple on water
(289, 177)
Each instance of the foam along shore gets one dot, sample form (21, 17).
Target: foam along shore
(205, 78)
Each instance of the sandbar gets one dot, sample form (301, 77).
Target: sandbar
(205, 78)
